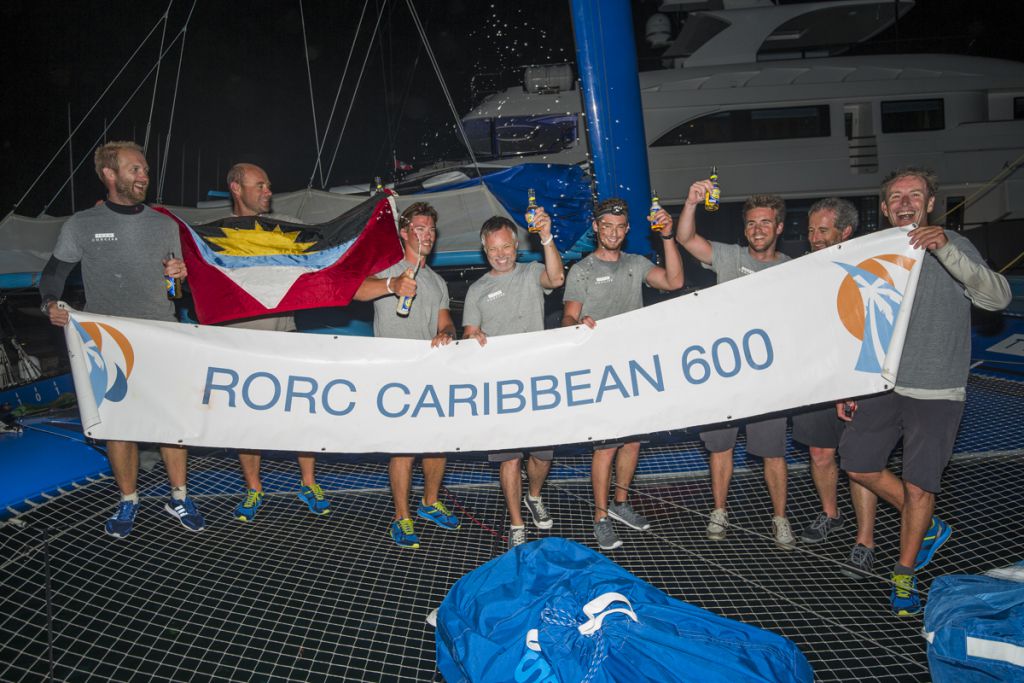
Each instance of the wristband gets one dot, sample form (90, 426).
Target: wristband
(387, 283)
(667, 236)
(551, 238)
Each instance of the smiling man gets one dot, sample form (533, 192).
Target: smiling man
(927, 402)
(764, 217)
(510, 300)
(125, 249)
(609, 282)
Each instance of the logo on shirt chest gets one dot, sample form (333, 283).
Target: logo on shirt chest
(494, 296)
(604, 280)
(746, 271)
(104, 237)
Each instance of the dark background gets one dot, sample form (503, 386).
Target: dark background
(244, 96)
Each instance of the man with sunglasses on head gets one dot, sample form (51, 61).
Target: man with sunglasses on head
(606, 283)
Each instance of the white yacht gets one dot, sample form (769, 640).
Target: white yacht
(753, 92)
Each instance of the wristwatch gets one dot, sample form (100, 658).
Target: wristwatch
(45, 307)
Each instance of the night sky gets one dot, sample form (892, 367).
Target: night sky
(244, 94)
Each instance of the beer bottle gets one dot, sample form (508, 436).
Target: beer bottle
(531, 211)
(711, 199)
(652, 214)
(173, 284)
(379, 184)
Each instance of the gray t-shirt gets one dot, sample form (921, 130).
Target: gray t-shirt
(508, 303)
(731, 261)
(421, 323)
(607, 288)
(122, 260)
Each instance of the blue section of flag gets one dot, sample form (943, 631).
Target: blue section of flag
(315, 259)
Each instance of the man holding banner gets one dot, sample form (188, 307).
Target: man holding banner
(510, 300)
(927, 402)
(251, 195)
(426, 317)
(829, 222)
(606, 283)
(764, 218)
(126, 250)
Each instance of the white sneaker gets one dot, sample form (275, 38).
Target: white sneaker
(784, 537)
(516, 536)
(718, 524)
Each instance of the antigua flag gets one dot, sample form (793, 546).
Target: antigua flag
(243, 267)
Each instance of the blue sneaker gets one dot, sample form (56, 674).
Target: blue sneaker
(938, 533)
(402, 533)
(905, 600)
(120, 525)
(186, 512)
(246, 510)
(313, 497)
(439, 515)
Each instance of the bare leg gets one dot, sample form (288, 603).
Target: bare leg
(721, 475)
(884, 484)
(825, 473)
(175, 461)
(537, 470)
(775, 478)
(625, 468)
(124, 462)
(916, 518)
(512, 487)
(600, 477)
(400, 477)
(250, 463)
(307, 468)
(433, 475)
(864, 504)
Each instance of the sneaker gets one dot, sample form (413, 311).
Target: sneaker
(784, 537)
(821, 527)
(313, 497)
(516, 536)
(905, 600)
(624, 512)
(938, 533)
(604, 532)
(541, 518)
(718, 525)
(402, 533)
(439, 515)
(120, 525)
(246, 510)
(861, 563)
(186, 512)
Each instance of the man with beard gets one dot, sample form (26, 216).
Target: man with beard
(251, 195)
(927, 402)
(829, 222)
(606, 283)
(126, 249)
(510, 300)
(764, 217)
(428, 319)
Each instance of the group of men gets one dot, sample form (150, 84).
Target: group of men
(120, 241)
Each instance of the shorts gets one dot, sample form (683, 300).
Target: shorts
(765, 439)
(928, 429)
(271, 323)
(512, 455)
(820, 428)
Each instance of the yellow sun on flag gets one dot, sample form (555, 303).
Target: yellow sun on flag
(259, 241)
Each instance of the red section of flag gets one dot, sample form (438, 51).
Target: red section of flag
(218, 298)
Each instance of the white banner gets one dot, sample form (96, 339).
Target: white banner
(826, 326)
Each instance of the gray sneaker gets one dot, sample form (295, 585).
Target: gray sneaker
(516, 536)
(821, 527)
(541, 518)
(718, 524)
(861, 563)
(605, 534)
(784, 537)
(624, 512)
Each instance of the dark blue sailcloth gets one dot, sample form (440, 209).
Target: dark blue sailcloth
(554, 610)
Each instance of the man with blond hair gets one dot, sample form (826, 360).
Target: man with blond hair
(126, 250)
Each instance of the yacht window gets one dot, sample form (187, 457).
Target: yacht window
(1018, 108)
(479, 133)
(744, 125)
(907, 116)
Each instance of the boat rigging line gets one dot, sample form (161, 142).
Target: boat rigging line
(156, 80)
(174, 102)
(309, 79)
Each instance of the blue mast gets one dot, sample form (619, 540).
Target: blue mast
(606, 57)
